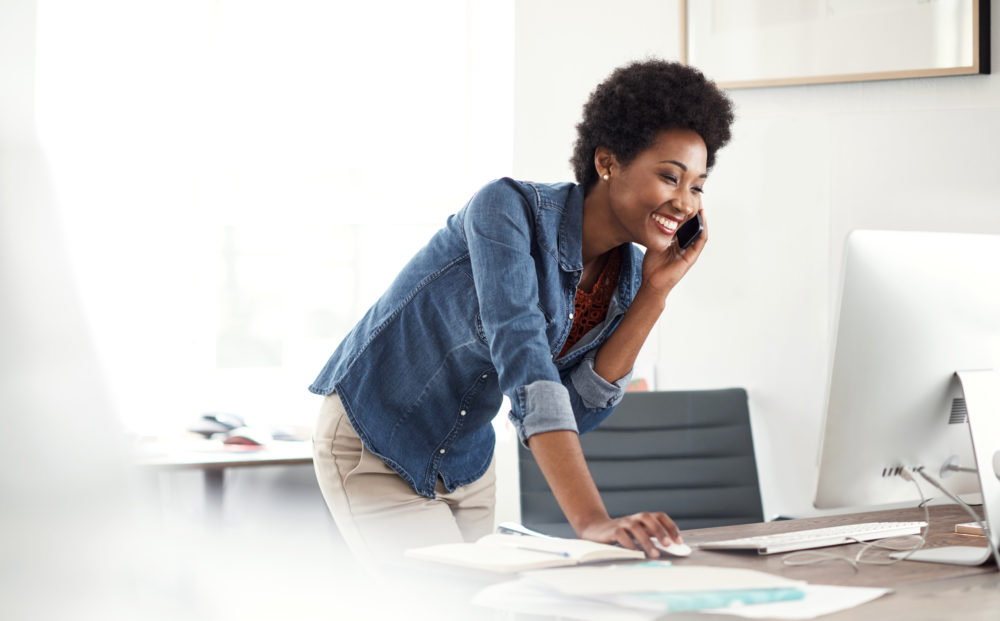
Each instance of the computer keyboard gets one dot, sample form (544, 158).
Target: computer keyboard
(817, 537)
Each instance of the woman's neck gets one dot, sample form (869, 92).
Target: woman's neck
(600, 229)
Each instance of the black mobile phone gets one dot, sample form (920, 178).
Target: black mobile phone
(690, 231)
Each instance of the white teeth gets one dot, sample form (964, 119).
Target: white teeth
(669, 224)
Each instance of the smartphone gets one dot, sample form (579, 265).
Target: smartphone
(690, 231)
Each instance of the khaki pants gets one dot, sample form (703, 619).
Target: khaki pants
(379, 515)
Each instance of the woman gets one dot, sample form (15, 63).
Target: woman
(534, 291)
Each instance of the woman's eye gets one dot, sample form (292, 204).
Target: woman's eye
(698, 189)
(670, 178)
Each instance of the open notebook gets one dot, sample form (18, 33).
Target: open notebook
(511, 553)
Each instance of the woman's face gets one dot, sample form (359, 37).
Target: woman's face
(660, 189)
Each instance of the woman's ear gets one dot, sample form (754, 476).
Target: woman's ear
(604, 162)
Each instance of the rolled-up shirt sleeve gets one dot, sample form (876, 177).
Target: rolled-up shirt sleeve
(499, 228)
(544, 407)
(595, 391)
(593, 397)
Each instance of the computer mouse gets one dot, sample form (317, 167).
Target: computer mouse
(674, 549)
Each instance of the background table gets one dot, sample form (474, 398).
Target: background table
(213, 458)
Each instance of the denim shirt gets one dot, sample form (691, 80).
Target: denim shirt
(481, 311)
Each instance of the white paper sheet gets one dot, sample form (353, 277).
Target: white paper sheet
(654, 577)
(529, 597)
(526, 597)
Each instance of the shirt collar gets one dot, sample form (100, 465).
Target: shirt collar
(571, 232)
(630, 275)
(571, 247)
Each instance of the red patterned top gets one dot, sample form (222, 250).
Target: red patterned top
(591, 307)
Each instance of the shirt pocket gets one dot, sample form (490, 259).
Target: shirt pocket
(553, 327)
(545, 313)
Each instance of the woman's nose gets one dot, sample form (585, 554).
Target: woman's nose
(687, 205)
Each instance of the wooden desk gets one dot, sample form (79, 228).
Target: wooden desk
(921, 591)
(214, 458)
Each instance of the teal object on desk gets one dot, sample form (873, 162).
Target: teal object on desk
(701, 600)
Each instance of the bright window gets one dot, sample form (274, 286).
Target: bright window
(239, 180)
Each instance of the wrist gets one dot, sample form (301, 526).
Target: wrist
(652, 297)
(582, 524)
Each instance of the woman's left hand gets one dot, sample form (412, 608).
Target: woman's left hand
(662, 270)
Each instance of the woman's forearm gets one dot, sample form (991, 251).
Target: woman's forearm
(617, 355)
(561, 460)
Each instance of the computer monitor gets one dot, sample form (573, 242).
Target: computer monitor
(914, 378)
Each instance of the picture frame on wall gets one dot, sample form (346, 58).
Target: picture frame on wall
(756, 43)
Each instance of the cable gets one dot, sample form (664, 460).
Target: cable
(989, 538)
(811, 557)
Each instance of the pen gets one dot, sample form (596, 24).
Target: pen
(556, 552)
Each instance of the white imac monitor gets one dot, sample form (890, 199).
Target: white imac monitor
(915, 378)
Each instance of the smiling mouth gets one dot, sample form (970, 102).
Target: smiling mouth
(669, 226)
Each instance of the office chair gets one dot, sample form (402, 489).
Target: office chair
(686, 453)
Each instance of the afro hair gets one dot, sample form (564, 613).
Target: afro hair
(636, 102)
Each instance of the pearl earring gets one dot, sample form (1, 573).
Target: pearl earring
(606, 176)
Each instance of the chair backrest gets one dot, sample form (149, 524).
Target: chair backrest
(686, 453)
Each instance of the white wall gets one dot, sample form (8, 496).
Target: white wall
(807, 164)
(562, 49)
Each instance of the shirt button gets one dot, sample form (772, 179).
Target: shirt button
(462, 413)
(571, 315)
(442, 451)
(484, 375)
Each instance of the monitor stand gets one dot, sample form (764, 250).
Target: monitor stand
(982, 398)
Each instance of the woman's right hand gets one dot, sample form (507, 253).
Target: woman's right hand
(634, 531)
(662, 270)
